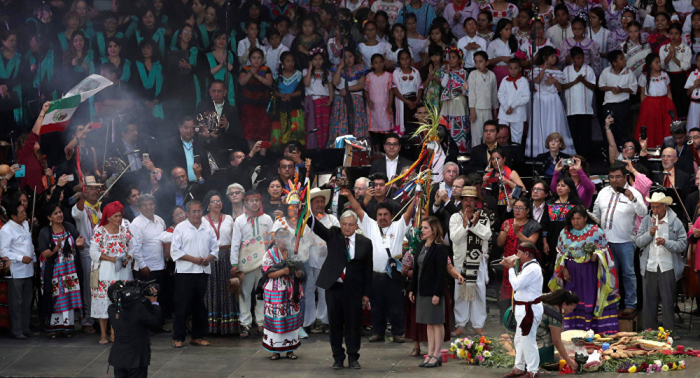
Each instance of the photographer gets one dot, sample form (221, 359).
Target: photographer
(132, 317)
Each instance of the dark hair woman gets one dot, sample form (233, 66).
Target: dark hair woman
(556, 304)
(565, 198)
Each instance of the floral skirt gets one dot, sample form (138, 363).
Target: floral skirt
(222, 307)
(456, 114)
(340, 119)
(289, 126)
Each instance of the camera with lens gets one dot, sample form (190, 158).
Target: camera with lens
(569, 162)
(126, 292)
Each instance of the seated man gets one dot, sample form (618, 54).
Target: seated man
(481, 154)
(673, 177)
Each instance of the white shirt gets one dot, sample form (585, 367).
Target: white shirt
(319, 249)
(658, 86)
(457, 27)
(538, 211)
(195, 242)
(483, 89)
(659, 256)
(528, 284)
(509, 97)
(316, 87)
(649, 20)
(16, 243)
(368, 51)
(145, 242)
(225, 229)
(352, 7)
(244, 45)
(617, 213)
(469, 54)
(272, 57)
(579, 99)
(392, 238)
(83, 223)
(497, 48)
(556, 34)
(683, 54)
(691, 82)
(391, 166)
(625, 80)
(243, 231)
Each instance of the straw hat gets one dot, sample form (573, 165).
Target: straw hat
(316, 192)
(469, 191)
(660, 197)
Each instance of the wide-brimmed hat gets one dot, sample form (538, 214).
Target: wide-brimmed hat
(91, 181)
(316, 192)
(660, 197)
(469, 191)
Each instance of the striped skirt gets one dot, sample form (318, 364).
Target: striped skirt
(322, 116)
(222, 307)
(283, 317)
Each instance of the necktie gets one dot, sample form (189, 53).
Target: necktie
(667, 181)
(347, 248)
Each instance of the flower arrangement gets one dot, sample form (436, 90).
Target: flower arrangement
(475, 350)
(654, 366)
(661, 334)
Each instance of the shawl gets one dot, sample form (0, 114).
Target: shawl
(472, 262)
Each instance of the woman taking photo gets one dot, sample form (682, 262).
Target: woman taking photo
(585, 188)
(283, 293)
(548, 160)
(519, 229)
(59, 243)
(584, 266)
(109, 251)
(428, 288)
(222, 306)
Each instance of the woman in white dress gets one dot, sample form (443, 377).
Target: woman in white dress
(548, 115)
(110, 253)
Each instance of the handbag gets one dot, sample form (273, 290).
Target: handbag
(95, 277)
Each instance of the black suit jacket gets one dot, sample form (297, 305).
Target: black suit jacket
(686, 160)
(478, 160)
(544, 160)
(173, 154)
(682, 185)
(232, 138)
(132, 342)
(432, 280)
(379, 165)
(358, 271)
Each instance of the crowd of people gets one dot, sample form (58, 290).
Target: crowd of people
(190, 169)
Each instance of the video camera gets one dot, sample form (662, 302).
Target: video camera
(126, 292)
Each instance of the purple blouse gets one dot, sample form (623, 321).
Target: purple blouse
(585, 189)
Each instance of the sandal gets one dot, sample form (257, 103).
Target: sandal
(275, 356)
(245, 332)
(291, 356)
(103, 341)
(415, 352)
(177, 344)
(200, 342)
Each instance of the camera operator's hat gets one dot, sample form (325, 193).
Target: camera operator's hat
(469, 191)
(315, 192)
(660, 197)
(91, 181)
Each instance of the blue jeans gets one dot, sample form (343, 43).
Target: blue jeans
(623, 253)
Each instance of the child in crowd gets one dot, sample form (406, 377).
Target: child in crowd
(619, 35)
(523, 30)
(456, 13)
(502, 49)
(348, 115)
(657, 100)
(660, 36)
(282, 24)
(484, 21)
(382, 20)
(416, 42)
(514, 99)
(378, 95)
(501, 9)
(692, 37)
(687, 27)
(317, 86)
(274, 50)
(390, 7)
(562, 29)
(693, 90)
(371, 45)
(590, 49)
(634, 48)
(548, 115)
(430, 74)
(579, 85)
(255, 81)
(613, 13)
(288, 117)
(527, 50)
(407, 89)
(600, 35)
(618, 82)
(306, 41)
(250, 42)
(675, 60)
(399, 43)
(436, 38)
(470, 43)
(483, 102)
(658, 7)
(343, 37)
(454, 81)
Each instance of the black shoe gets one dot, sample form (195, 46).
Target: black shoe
(434, 364)
(165, 329)
(375, 338)
(338, 365)
(354, 365)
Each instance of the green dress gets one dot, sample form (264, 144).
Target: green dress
(551, 317)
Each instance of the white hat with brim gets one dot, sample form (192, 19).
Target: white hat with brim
(659, 197)
(91, 181)
(315, 192)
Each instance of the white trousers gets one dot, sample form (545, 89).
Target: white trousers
(526, 352)
(250, 282)
(517, 129)
(474, 311)
(312, 310)
(477, 127)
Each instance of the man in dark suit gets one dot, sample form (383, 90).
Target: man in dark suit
(673, 177)
(481, 154)
(132, 148)
(187, 150)
(346, 276)
(678, 141)
(392, 164)
(132, 322)
(444, 203)
(230, 135)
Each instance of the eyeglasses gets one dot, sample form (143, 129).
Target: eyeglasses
(537, 190)
(196, 211)
(629, 148)
(694, 137)
(289, 166)
(215, 202)
(627, 18)
(235, 193)
(186, 32)
(519, 208)
(394, 144)
(356, 188)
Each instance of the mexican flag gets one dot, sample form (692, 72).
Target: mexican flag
(61, 111)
